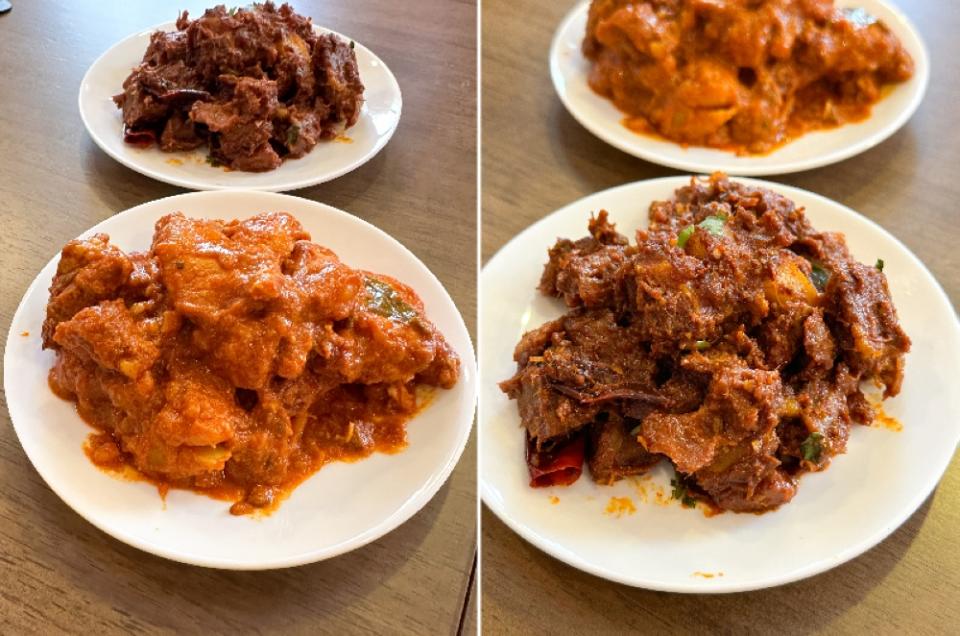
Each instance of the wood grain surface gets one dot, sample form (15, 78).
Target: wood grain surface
(536, 158)
(59, 573)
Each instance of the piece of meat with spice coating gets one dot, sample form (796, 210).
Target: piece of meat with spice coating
(615, 452)
(587, 272)
(89, 271)
(241, 118)
(338, 83)
(739, 76)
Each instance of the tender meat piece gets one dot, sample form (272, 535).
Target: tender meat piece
(166, 47)
(262, 454)
(90, 270)
(200, 408)
(546, 413)
(444, 370)
(224, 278)
(180, 133)
(741, 404)
(679, 298)
(332, 289)
(108, 334)
(780, 336)
(870, 337)
(587, 356)
(338, 83)
(824, 409)
(294, 75)
(387, 339)
(587, 272)
(595, 360)
(151, 92)
(632, 26)
(242, 120)
(535, 341)
(210, 267)
(747, 478)
(818, 343)
(615, 453)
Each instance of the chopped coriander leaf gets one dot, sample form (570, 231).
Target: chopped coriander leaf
(293, 135)
(679, 489)
(811, 448)
(701, 345)
(879, 264)
(234, 10)
(635, 431)
(681, 493)
(353, 44)
(384, 300)
(213, 161)
(713, 224)
(819, 276)
(684, 236)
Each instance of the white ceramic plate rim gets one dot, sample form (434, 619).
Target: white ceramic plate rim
(413, 504)
(280, 183)
(921, 491)
(673, 155)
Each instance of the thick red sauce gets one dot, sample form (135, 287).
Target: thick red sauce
(103, 450)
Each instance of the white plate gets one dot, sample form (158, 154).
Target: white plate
(328, 160)
(569, 68)
(341, 507)
(836, 515)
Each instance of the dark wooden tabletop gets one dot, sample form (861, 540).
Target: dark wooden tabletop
(536, 158)
(59, 573)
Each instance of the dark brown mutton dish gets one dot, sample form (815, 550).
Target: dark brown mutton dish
(745, 75)
(730, 339)
(257, 85)
(237, 358)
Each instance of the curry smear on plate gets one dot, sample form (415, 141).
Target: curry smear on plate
(237, 358)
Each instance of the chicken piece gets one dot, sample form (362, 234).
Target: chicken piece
(224, 278)
(107, 334)
(332, 289)
(387, 338)
(90, 270)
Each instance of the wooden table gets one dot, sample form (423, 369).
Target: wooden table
(536, 158)
(59, 573)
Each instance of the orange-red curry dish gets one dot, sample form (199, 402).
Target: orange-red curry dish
(743, 75)
(236, 358)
